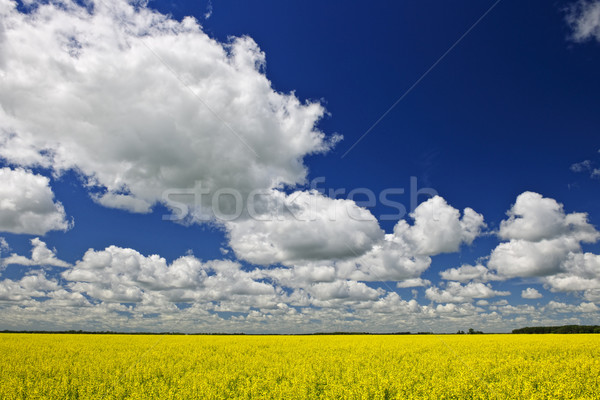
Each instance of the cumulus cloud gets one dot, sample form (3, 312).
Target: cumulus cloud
(535, 218)
(439, 227)
(531, 293)
(571, 308)
(123, 275)
(342, 290)
(541, 236)
(140, 104)
(581, 271)
(404, 254)
(304, 226)
(454, 292)
(466, 273)
(543, 242)
(27, 203)
(521, 258)
(583, 18)
(346, 241)
(34, 284)
(592, 295)
(414, 282)
(41, 255)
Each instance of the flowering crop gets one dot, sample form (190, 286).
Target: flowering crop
(36, 366)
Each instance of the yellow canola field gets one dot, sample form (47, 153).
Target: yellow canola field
(35, 366)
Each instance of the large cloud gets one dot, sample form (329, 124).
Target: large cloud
(535, 218)
(140, 104)
(541, 236)
(344, 243)
(27, 203)
(335, 238)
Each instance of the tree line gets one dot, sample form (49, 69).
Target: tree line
(559, 329)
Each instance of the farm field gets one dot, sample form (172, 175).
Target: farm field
(52, 366)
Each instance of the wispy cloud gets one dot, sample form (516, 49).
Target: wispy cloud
(583, 18)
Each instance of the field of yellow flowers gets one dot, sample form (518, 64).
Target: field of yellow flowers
(35, 366)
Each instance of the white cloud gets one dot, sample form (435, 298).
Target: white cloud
(592, 295)
(583, 166)
(534, 218)
(541, 238)
(571, 308)
(347, 238)
(466, 273)
(121, 289)
(304, 226)
(521, 258)
(405, 254)
(389, 260)
(139, 104)
(4, 247)
(347, 290)
(123, 202)
(299, 276)
(27, 203)
(34, 284)
(457, 293)
(583, 18)
(531, 293)
(415, 282)
(439, 228)
(581, 271)
(41, 255)
(124, 275)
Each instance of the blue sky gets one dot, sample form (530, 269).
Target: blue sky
(117, 117)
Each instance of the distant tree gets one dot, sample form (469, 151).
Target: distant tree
(558, 329)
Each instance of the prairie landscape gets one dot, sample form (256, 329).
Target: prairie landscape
(281, 185)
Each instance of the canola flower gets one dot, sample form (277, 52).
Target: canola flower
(35, 366)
